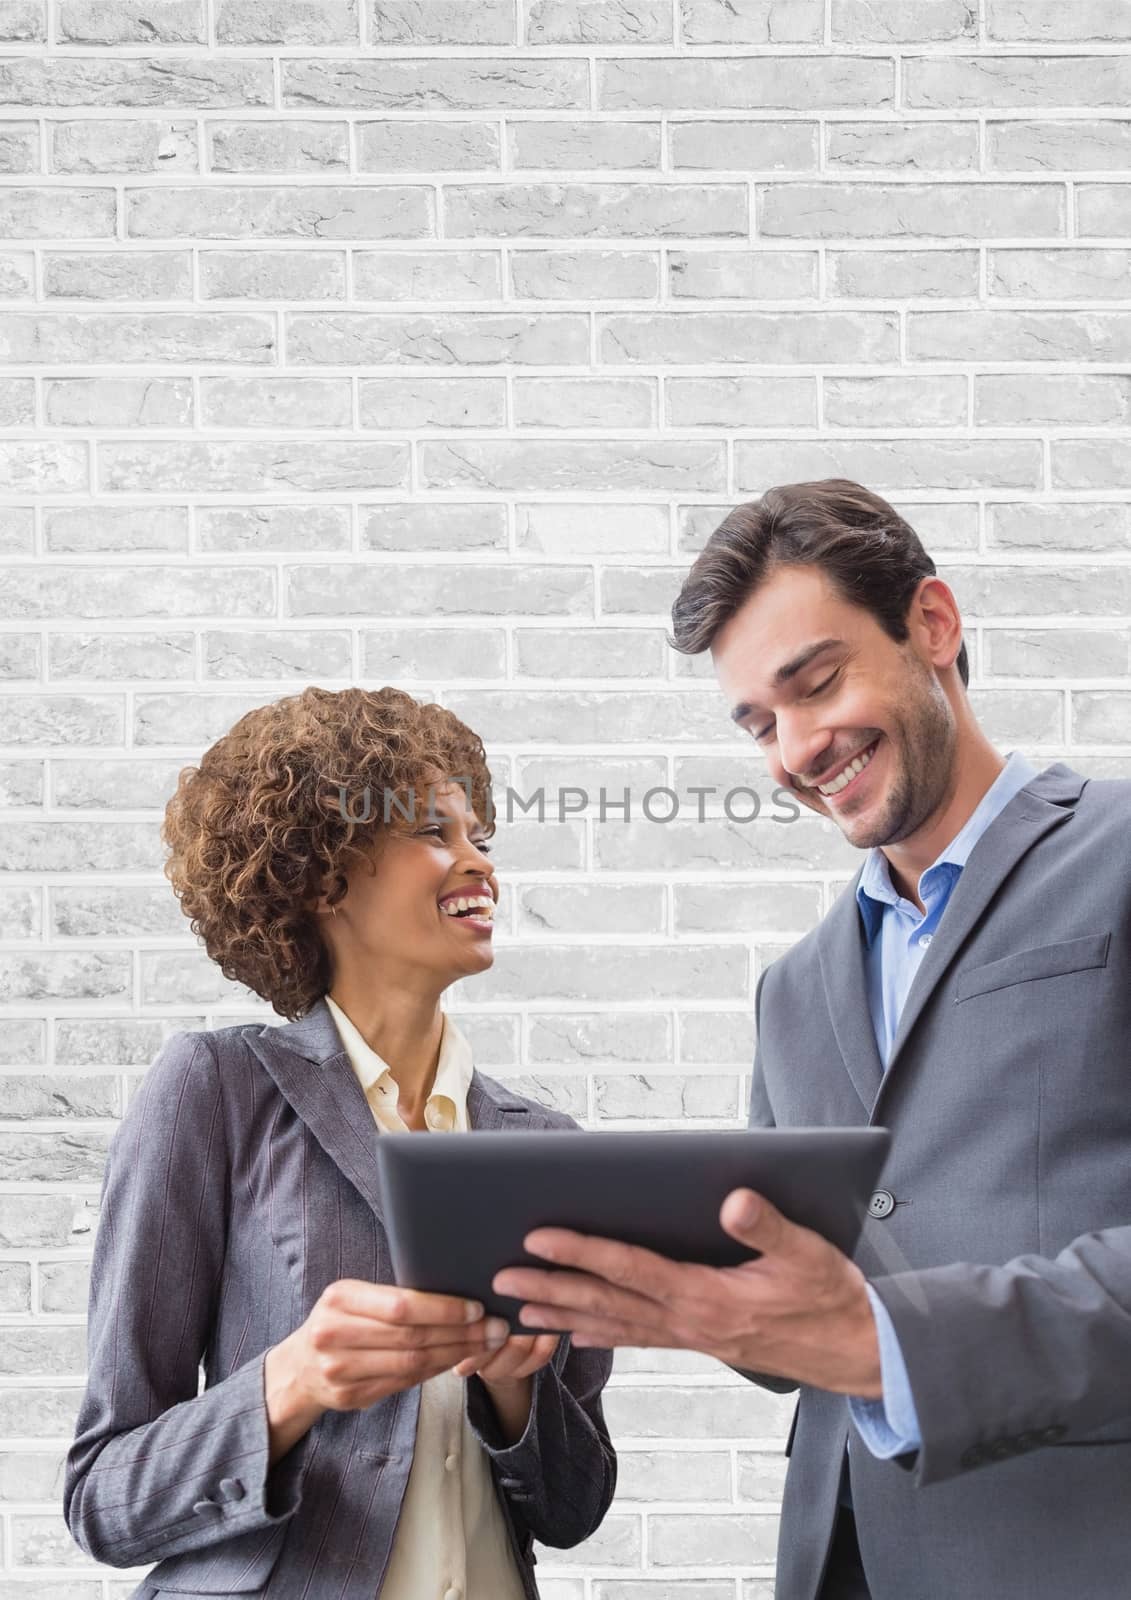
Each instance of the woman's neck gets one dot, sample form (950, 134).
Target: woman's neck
(405, 1028)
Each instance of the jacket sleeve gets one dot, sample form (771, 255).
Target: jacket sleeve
(156, 1469)
(560, 1476)
(762, 1116)
(1006, 1359)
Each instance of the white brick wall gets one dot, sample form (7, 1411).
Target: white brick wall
(424, 341)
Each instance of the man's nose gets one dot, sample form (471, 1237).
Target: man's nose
(803, 750)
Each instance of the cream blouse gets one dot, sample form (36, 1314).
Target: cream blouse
(451, 1541)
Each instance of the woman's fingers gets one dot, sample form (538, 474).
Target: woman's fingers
(388, 1303)
(522, 1355)
(370, 1333)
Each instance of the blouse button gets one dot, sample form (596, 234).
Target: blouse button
(451, 1463)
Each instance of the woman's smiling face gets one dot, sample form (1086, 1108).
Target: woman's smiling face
(401, 917)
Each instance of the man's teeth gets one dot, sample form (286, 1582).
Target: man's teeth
(843, 779)
(482, 904)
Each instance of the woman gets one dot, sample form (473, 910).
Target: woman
(351, 1439)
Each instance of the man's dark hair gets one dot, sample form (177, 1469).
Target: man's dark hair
(872, 558)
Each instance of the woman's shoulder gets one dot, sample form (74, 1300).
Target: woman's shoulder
(541, 1115)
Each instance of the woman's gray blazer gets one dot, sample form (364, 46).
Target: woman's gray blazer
(242, 1181)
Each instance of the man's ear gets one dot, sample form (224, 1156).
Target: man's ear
(936, 622)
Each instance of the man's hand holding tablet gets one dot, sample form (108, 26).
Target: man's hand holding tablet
(672, 1239)
(799, 1311)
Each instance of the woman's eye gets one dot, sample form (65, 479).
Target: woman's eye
(483, 847)
(429, 833)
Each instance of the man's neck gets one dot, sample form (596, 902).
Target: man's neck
(974, 772)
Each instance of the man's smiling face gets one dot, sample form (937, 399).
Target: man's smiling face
(857, 725)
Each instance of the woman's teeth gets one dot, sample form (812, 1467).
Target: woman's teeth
(482, 905)
(844, 778)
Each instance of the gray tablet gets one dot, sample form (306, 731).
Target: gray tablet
(457, 1206)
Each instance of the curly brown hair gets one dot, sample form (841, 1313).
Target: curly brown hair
(284, 804)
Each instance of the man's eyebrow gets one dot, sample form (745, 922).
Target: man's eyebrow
(789, 670)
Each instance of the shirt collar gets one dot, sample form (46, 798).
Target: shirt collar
(453, 1069)
(875, 889)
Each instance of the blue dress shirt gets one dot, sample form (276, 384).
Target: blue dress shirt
(897, 934)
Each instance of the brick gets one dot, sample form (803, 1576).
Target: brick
(818, 83)
(441, 22)
(600, 1037)
(346, 589)
(118, 402)
(903, 21)
(1103, 21)
(601, 211)
(52, 590)
(109, 22)
(761, 146)
(903, 274)
(1020, 335)
(1000, 82)
(216, 468)
(584, 402)
(110, 337)
(924, 210)
(403, 146)
(280, 653)
(1071, 526)
(1089, 464)
(441, 339)
(902, 146)
(583, 145)
(585, 274)
(1070, 146)
(286, 211)
(895, 402)
(1065, 274)
(199, 81)
(588, 653)
(57, 213)
(265, 527)
(785, 337)
(561, 529)
(741, 403)
(743, 274)
(892, 464)
(598, 21)
(591, 908)
(120, 145)
(273, 274)
(1051, 653)
(472, 83)
(623, 973)
(1055, 400)
(277, 146)
(442, 526)
(539, 464)
(117, 275)
(752, 21)
(129, 655)
(317, 22)
(1101, 209)
(399, 403)
(261, 402)
(441, 653)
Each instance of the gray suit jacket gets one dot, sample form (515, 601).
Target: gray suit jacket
(1006, 1261)
(242, 1181)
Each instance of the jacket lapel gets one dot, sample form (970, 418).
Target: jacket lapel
(312, 1072)
(1043, 804)
(840, 947)
(310, 1068)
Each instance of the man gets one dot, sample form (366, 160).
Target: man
(964, 1421)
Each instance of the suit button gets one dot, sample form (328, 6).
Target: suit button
(232, 1488)
(206, 1505)
(1001, 1448)
(882, 1204)
(1051, 1434)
